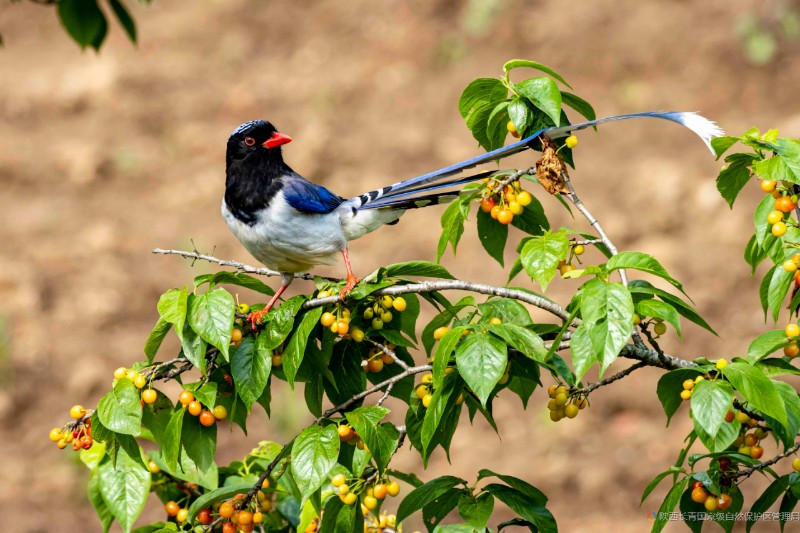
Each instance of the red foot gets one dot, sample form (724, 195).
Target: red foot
(352, 281)
(256, 316)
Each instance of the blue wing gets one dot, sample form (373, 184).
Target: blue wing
(307, 197)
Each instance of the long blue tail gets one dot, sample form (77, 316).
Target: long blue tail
(700, 125)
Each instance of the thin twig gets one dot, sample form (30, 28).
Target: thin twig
(384, 349)
(747, 472)
(585, 391)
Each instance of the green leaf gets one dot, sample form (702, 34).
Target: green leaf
(481, 361)
(789, 150)
(757, 389)
(710, 401)
(544, 94)
(722, 144)
(338, 517)
(124, 488)
(442, 404)
(792, 402)
(296, 347)
(476, 511)
(220, 494)
(520, 115)
(540, 256)
(97, 501)
(532, 221)
(643, 287)
(525, 63)
(658, 309)
(478, 93)
(521, 339)
(281, 322)
(534, 494)
(171, 441)
(643, 262)
(733, 177)
(653, 484)
(427, 493)
(381, 439)
(417, 268)
(121, 410)
(83, 20)
(582, 351)
(155, 339)
(194, 347)
(172, 306)
(524, 506)
(754, 254)
(443, 352)
(235, 278)
(607, 311)
(578, 104)
(778, 287)
(437, 510)
(199, 442)
(766, 500)
(250, 369)
(766, 344)
(314, 453)
(496, 129)
(211, 315)
(670, 386)
(492, 235)
(508, 310)
(762, 227)
(125, 19)
(669, 504)
(774, 168)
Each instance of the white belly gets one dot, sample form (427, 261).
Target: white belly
(287, 240)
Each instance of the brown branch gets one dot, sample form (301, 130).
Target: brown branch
(585, 391)
(747, 472)
(402, 364)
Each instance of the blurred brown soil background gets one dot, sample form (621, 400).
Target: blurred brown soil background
(106, 156)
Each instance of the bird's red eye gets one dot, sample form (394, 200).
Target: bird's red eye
(249, 141)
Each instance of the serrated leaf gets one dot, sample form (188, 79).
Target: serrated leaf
(540, 256)
(544, 94)
(524, 506)
(211, 315)
(766, 344)
(525, 63)
(481, 361)
(296, 347)
(97, 501)
(582, 351)
(710, 401)
(476, 511)
(199, 442)
(766, 500)
(521, 339)
(156, 337)
(479, 92)
(235, 278)
(121, 410)
(314, 453)
(124, 488)
(643, 262)
(734, 176)
(670, 386)
(757, 389)
(607, 311)
(668, 505)
(778, 287)
(250, 369)
(424, 269)
(658, 309)
(578, 104)
(722, 144)
(425, 494)
(171, 440)
(493, 236)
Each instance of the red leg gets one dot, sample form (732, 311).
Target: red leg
(255, 317)
(351, 278)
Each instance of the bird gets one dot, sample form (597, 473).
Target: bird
(291, 224)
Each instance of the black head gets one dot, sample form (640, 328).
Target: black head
(257, 140)
(254, 166)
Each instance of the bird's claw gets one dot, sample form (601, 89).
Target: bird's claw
(352, 281)
(255, 317)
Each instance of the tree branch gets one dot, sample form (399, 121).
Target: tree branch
(747, 472)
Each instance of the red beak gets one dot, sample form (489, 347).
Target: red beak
(277, 139)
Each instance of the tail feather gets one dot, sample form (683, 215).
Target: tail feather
(700, 125)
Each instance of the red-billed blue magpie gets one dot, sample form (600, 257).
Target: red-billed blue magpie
(291, 224)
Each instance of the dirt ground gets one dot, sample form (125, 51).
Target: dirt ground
(106, 156)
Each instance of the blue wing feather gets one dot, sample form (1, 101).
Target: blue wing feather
(307, 197)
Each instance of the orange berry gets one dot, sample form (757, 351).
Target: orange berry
(172, 508)
(699, 495)
(724, 502)
(791, 349)
(149, 396)
(186, 397)
(768, 185)
(487, 203)
(77, 412)
(194, 408)
(505, 216)
(495, 212)
(207, 418)
(380, 491)
(236, 335)
(226, 510)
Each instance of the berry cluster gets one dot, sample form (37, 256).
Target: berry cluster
(207, 417)
(710, 501)
(688, 387)
(748, 443)
(377, 523)
(561, 405)
(376, 358)
(565, 265)
(79, 433)
(376, 314)
(136, 378)
(502, 203)
(350, 489)
(784, 203)
(792, 333)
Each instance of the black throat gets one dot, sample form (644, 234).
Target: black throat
(251, 182)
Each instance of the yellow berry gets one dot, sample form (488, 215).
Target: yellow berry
(327, 319)
(140, 381)
(524, 198)
(56, 434)
(120, 372)
(688, 384)
(792, 330)
(512, 129)
(789, 265)
(578, 250)
(571, 141)
(779, 229)
(774, 217)
(686, 394)
(721, 363)
(399, 304)
(495, 320)
(571, 410)
(154, 468)
(338, 480)
(357, 335)
(422, 391)
(440, 332)
(77, 411)
(393, 488)
(426, 400)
